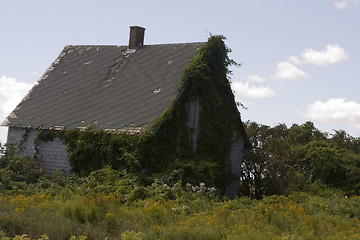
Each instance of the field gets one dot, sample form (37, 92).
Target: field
(297, 183)
(171, 213)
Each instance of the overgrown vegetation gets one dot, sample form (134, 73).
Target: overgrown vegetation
(308, 184)
(16, 171)
(296, 217)
(171, 149)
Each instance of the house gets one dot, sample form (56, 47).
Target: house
(126, 88)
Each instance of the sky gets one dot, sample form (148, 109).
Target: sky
(300, 59)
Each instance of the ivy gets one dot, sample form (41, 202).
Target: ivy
(93, 149)
(23, 138)
(171, 150)
(46, 136)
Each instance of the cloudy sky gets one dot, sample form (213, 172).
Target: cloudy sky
(300, 59)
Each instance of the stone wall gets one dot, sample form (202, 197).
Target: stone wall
(53, 153)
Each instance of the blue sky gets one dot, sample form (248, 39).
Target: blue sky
(300, 59)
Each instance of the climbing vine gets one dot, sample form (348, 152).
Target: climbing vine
(171, 150)
(93, 149)
(23, 139)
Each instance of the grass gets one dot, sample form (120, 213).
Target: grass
(99, 216)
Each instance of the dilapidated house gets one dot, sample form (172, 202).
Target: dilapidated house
(124, 89)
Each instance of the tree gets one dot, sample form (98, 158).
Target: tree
(288, 159)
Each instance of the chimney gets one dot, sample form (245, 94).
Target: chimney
(136, 37)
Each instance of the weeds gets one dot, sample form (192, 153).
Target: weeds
(299, 216)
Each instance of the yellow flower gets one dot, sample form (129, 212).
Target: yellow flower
(109, 216)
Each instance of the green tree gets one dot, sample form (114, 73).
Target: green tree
(288, 159)
(265, 167)
(325, 161)
(344, 140)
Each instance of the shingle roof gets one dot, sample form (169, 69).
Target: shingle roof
(107, 86)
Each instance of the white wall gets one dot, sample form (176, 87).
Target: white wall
(3, 134)
(53, 153)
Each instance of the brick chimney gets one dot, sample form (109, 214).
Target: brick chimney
(136, 37)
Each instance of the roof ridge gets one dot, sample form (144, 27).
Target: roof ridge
(109, 45)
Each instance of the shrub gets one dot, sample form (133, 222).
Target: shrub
(18, 171)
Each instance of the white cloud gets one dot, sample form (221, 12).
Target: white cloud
(344, 4)
(256, 78)
(335, 110)
(332, 54)
(11, 93)
(246, 91)
(295, 60)
(341, 5)
(288, 71)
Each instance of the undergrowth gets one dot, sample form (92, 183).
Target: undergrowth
(165, 212)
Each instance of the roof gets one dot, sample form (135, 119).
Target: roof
(110, 87)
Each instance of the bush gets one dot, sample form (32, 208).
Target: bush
(17, 171)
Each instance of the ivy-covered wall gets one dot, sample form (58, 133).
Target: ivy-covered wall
(170, 150)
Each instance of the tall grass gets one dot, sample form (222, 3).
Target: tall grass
(299, 216)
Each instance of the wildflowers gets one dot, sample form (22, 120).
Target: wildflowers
(106, 216)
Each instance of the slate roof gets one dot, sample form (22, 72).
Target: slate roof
(107, 86)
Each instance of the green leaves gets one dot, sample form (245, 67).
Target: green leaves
(93, 149)
(17, 171)
(326, 163)
(289, 159)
